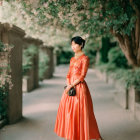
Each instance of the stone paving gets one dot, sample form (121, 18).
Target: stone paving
(40, 110)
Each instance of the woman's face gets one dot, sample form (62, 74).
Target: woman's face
(75, 47)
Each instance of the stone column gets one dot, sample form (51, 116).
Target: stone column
(33, 74)
(12, 34)
(55, 59)
(49, 51)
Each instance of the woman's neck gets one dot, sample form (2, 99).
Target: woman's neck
(78, 54)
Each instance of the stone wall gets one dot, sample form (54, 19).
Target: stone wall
(13, 35)
(134, 102)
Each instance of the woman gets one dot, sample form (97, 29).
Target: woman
(75, 117)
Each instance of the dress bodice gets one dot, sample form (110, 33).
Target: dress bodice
(78, 68)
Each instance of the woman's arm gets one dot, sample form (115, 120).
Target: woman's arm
(68, 77)
(68, 74)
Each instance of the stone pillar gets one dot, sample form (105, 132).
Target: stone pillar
(33, 80)
(55, 60)
(134, 102)
(56, 57)
(49, 52)
(12, 34)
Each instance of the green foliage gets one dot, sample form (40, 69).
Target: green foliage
(28, 55)
(64, 57)
(91, 16)
(105, 49)
(117, 57)
(135, 78)
(90, 49)
(119, 68)
(106, 67)
(1, 46)
(116, 60)
(118, 14)
(5, 47)
(43, 1)
(43, 64)
(129, 77)
(5, 78)
(87, 17)
(3, 104)
(92, 55)
(53, 9)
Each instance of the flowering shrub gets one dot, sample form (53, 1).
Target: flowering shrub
(5, 77)
(3, 102)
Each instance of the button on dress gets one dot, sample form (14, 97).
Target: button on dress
(75, 118)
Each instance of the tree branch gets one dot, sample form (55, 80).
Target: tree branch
(119, 38)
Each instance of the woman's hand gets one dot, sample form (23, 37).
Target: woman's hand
(68, 88)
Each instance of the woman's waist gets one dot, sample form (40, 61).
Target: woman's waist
(75, 77)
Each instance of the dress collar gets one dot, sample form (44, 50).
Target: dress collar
(79, 56)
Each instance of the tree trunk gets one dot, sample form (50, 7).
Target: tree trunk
(130, 45)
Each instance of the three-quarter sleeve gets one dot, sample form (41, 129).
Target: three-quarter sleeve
(68, 73)
(85, 65)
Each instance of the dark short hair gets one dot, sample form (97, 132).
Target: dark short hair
(79, 40)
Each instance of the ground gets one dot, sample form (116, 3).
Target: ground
(40, 110)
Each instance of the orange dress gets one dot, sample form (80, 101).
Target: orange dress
(75, 118)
